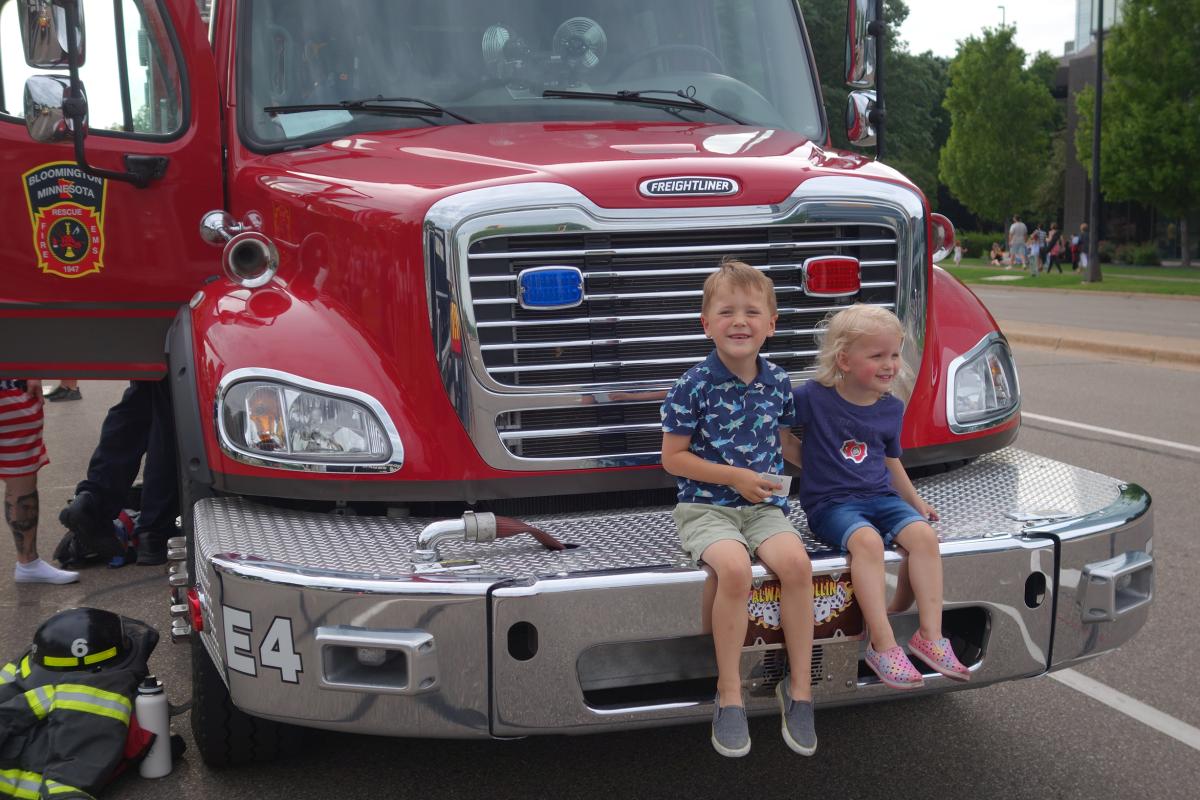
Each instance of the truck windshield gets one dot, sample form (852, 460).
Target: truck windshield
(512, 61)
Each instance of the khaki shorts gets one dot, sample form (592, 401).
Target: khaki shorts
(701, 525)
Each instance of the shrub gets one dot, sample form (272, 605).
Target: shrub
(1123, 253)
(976, 244)
(1106, 251)
(1145, 255)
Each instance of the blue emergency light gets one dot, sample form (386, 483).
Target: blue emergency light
(548, 288)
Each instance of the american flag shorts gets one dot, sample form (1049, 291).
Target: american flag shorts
(21, 449)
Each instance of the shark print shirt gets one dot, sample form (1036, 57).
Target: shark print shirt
(731, 423)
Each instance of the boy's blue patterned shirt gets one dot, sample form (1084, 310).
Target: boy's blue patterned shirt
(730, 423)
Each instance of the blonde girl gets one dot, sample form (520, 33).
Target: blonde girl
(857, 495)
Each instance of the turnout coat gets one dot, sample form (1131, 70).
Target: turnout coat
(63, 733)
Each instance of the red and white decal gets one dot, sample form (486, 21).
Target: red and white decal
(66, 210)
(854, 450)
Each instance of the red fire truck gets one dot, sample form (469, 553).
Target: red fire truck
(459, 252)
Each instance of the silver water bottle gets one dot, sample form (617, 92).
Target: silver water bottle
(153, 715)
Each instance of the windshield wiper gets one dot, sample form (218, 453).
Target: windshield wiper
(372, 105)
(688, 98)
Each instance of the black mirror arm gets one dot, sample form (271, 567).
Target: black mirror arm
(878, 116)
(141, 170)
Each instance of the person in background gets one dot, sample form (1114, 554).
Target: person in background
(1035, 249)
(22, 454)
(1054, 248)
(141, 424)
(997, 257)
(1017, 232)
(957, 254)
(1083, 246)
(67, 389)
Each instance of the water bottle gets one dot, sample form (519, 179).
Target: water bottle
(152, 714)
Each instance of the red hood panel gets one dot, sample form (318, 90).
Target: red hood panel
(604, 161)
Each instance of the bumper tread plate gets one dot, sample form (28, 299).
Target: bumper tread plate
(974, 502)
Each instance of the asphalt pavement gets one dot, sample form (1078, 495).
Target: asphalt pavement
(1151, 328)
(1031, 739)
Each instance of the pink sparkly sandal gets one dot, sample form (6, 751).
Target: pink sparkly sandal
(893, 668)
(939, 655)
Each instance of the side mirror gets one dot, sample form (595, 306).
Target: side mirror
(860, 130)
(45, 119)
(860, 44)
(43, 26)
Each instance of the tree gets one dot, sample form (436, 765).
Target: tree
(1001, 118)
(1051, 188)
(917, 123)
(1149, 145)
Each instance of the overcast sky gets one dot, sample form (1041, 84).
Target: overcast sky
(939, 25)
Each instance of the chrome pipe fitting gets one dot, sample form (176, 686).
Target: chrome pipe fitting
(472, 527)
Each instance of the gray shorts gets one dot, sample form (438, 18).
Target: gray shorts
(701, 525)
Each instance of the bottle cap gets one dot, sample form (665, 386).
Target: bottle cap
(150, 685)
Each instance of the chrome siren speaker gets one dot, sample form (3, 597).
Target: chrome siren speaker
(494, 40)
(580, 42)
(504, 51)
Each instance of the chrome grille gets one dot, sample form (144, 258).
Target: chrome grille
(639, 321)
(638, 327)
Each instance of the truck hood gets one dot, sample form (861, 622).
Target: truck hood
(407, 171)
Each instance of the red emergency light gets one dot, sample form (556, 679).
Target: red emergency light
(194, 611)
(832, 276)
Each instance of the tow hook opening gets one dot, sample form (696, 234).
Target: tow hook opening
(523, 641)
(1035, 589)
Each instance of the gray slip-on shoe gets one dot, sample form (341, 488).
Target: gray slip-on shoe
(730, 730)
(799, 728)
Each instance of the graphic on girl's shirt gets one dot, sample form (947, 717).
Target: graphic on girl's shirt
(854, 450)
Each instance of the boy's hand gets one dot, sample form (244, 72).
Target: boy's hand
(752, 486)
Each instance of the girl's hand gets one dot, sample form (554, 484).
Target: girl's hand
(927, 511)
(34, 387)
(752, 486)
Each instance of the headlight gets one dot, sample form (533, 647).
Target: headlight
(983, 386)
(284, 424)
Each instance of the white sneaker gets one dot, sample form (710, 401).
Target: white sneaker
(40, 572)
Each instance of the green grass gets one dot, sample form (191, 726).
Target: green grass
(1115, 278)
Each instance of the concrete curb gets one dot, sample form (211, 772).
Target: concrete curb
(1185, 298)
(1161, 350)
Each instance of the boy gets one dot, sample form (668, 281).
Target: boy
(722, 426)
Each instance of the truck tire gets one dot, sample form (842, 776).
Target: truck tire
(225, 735)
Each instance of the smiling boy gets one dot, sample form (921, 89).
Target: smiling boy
(722, 430)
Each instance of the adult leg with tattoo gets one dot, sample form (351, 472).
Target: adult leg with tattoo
(21, 515)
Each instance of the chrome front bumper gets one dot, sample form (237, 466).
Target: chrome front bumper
(326, 621)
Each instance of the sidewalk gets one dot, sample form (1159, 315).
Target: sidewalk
(1174, 351)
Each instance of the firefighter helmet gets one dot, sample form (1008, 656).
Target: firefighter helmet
(79, 638)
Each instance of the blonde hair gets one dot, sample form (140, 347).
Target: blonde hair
(843, 328)
(738, 275)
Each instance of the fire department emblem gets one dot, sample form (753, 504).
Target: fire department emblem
(66, 210)
(854, 450)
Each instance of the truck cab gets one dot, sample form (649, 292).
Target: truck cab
(419, 275)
